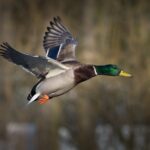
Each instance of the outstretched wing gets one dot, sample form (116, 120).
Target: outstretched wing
(37, 65)
(58, 42)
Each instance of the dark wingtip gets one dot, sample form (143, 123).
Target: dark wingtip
(5, 45)
(51, 23)
(57, 19)
(46, 33)
(4, 50)
(1, 45)
(44, 37)
(48, 28)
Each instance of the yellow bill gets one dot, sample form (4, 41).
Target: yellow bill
(124, 74)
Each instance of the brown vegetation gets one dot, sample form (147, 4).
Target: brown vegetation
(115, 32)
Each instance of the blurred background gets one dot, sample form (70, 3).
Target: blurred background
(104, 113)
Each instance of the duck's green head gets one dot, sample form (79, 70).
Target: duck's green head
(110, 70)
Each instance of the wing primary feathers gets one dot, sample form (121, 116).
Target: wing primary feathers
(37, 65)
(7, 51)
(58, 40)
(57, 21)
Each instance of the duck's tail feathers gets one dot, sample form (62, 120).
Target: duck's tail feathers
(34, 98)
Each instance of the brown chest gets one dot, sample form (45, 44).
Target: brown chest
(83, 73)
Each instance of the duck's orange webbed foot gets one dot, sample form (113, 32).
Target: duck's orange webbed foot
(43, 99)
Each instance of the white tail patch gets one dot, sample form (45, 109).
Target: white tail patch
(34, 98)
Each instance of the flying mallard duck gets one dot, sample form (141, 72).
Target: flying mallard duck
(58, 71)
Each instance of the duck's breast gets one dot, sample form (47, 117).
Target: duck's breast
(57, 85)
